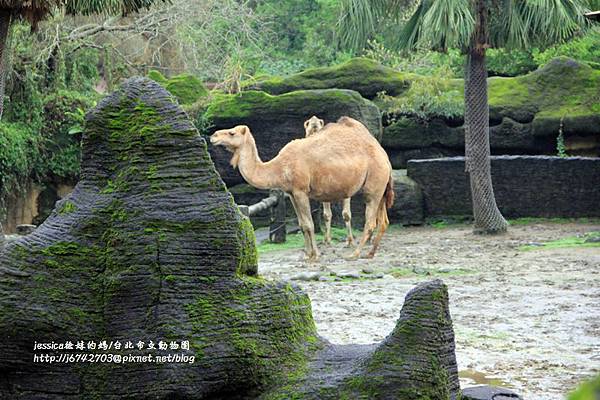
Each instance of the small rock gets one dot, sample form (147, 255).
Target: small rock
(25, 229)
(306, 276)
(485, 392)
(367, 270)
(323, 279)
(420, 271)
(445, 270)
(592, 239)
(348, 274)
(379, 275)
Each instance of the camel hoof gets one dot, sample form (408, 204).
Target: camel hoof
(352, 257)
(350, 243)
(369, 255)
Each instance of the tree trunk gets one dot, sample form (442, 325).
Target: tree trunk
(488, 218)
(5, 18)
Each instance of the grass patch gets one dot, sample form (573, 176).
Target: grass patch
(448, 221)
(403, 272)
(296, 240)
(571, 241)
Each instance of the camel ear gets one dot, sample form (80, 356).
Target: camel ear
(243, 129)
(306, 123)
(322, 123)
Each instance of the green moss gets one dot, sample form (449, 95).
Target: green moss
(360, 74)
(67, 208)
(185, 87)
(248, 259)
(253, 103)
(589, 390)
(568, 242)
(267, 348)
(157, 76)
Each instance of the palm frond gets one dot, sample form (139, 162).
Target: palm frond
(115, 7)
(547, 21)
(359, 19)
(439, 24)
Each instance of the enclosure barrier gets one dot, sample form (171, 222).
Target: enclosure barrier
(524, 186)
(276, 204)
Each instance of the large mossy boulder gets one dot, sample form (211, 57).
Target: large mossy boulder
(151, 247)
(365, 76)
(277, 120)
(527, 113)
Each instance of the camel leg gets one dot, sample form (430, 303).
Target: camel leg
(327, 216)
(382, 222)
(347, 214)
(302, 207)
(370, 224)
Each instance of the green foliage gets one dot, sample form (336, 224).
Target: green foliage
(585, 48)
(561, 149)
(503, 62)
(428, 97)
(19, 154)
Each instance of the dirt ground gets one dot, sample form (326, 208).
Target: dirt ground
(526, 320)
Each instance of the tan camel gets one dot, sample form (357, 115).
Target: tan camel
(312, 126)
(328, 167)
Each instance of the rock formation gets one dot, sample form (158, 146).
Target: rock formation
(149, 247)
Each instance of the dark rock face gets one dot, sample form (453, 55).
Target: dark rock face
(277, 120)
(485, 392)
(525, 186)
(407, 139)
(150, 246)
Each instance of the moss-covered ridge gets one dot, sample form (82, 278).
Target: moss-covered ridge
(185, 87)
(365, 76)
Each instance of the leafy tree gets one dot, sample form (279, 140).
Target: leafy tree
(35, 11)
(472, 26)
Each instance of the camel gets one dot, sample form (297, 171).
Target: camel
(312, 126)
(328, 167)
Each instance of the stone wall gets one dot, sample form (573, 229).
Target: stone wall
(525, 186)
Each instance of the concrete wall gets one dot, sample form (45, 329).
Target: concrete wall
(525, 186)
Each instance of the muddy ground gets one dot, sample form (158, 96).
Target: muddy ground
(526, 320)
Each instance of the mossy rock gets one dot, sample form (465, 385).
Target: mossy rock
(187, 88)
(363, 75)
(526, 115)
(277, 120)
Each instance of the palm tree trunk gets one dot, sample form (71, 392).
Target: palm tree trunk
(5, 18)
(488, 218)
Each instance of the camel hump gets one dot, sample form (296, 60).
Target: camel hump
(345, 120)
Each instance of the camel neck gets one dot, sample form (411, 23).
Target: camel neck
(254, 171)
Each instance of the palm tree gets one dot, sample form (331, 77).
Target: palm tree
(36, 11)
(472, 26)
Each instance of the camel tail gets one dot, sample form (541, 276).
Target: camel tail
(389, 193)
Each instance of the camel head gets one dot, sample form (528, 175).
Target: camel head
(232, 139)
(313, 125)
